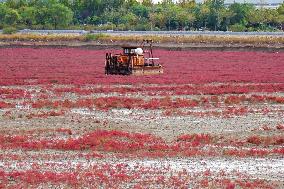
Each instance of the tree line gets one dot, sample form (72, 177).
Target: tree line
(132, 15)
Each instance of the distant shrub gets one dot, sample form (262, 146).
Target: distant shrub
(37, 27)
(121, 27)
(48, 26)
(238, 28)
(75, 27)
(22, 26)
(89, 27)
(143, 27)
(9, 30)
(94, 37)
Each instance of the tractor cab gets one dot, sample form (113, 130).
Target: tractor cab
(127, 50)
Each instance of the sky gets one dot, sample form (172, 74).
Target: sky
(241, 1)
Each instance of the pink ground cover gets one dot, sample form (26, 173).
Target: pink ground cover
(86, 66)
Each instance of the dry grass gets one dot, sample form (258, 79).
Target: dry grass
(158, 39)
(207, 39)
(35, 37)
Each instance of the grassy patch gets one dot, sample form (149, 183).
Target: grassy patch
(9, 30)
(95, 37)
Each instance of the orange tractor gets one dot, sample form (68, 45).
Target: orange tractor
(135, 60)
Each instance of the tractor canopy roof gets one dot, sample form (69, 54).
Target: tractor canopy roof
(130, 47)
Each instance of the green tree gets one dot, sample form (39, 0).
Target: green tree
(201, 13)
(185, 19)
(241, 13)
(60, 15)
(280, 9)
(280, 16)
(262, 19)
(187, 4)
(158, 20)
(140, 10)
(3, 11)
(16, 4)
(42, 16)
(147, 3)
(130, 19)
(129, 14)
(170, 11)
(28, 15)
(67, 3)
(214, 17)
(226, 16)
(11, 17)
